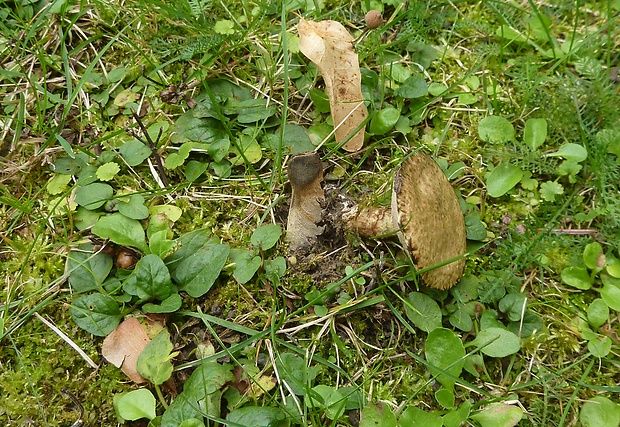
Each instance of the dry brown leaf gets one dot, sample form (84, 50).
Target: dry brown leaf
(305, 173)
(330, 46)
(123, 346)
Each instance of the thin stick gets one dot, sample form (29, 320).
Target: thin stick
(66, 339)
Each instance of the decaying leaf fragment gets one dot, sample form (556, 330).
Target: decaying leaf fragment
(123, 346)
(305, 173)
(330, 46)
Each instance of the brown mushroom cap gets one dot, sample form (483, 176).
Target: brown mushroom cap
(427, 212)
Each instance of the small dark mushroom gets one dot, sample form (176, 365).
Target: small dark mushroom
(305, 173)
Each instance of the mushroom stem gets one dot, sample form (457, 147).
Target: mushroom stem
(374, 221)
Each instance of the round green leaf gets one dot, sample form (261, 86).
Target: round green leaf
(133, 208)
(499, 415)
(423, 311)
(570, 151)
(535, 133)
(384, 120)
(58, 183)
(503, 178)
(496, 130)
(122, 231)
(577, 277)
(600, 412)
(266, 236)
(598, 313)
(593, 255)
(246, 263)
(444, 350)
(134, 152)
(497, 342)
(611, 291)
(135, 405)
(154, 361)
(149, 279)
(87, 271)
(96, 313)
(169, 305)
(93, 196)
(258, 416)
(377, 415)
(600, 347)
(416, 417)
(413, 87)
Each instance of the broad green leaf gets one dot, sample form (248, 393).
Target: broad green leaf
(503, 178)
(160, 245)
(108, 171)
(570, 151)
(514, 305)
(149, 279)
(258, 416)
(266, 236)
(497, 342)
(320, 100)
(206, 380)
(384, 120)
(87, 271)
(122, 231)
(275, 268)
(496, 130)
(70, 166)
(456, 418)
(413, 87)
(535, 133)
(96, 313)
(437, 89)
(296, 138)
(296, 373)
(461, 318)
(252, 110)
(577, 277)
(93, 196)
(612, 266)
(135, 404)
(498, 415)
(134, 207)
(423, 311)
(194, 170)
(134, 152)
(593, 256)
(169, 305)
(600, 346)
(329, 399)
(611, 291)
(154, 361)
(474, 227)
(198, 262)
(600, 412)
(598, 313)
(415, 417)
(444, 350)
(377, 415)
(84, 218)
(246, 263)
(190, 128)
(250, 148)
(524, 328)
(445, 397)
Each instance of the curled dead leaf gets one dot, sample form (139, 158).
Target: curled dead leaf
(330, 46)
(123, 346)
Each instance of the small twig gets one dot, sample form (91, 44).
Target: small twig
(66, 339)
(149, 143)
(79, 422)
(573, 231)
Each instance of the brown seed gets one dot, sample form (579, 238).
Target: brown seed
(373, 19)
